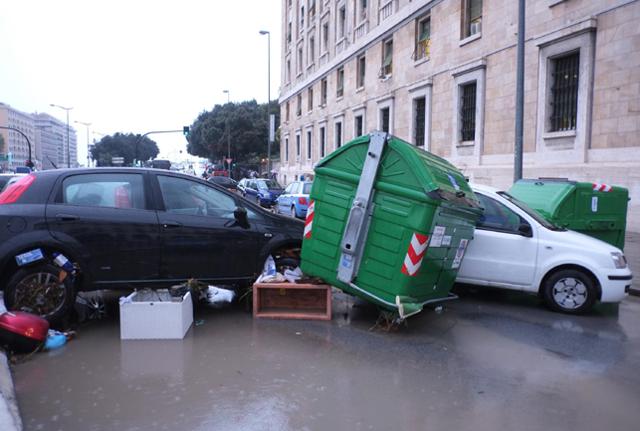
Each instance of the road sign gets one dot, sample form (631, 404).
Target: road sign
(117, 160)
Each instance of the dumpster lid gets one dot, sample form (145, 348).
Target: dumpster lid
(544, 195)
(408, 167)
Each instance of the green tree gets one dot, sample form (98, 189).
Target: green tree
(247, 125)
(123, 145)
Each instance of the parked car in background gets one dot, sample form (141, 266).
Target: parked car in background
(263, 192)
(225, 182)
(127, 228)
(515, 248)
(295, 199)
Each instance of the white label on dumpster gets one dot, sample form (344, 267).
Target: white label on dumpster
(436, 237)
(446, 240)
(594, 204)
(459, 254)
(347, 261)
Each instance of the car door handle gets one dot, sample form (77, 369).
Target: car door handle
(268, 235)
(67, 217)
(169, 224)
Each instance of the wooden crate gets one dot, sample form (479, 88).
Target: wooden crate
(292, 301)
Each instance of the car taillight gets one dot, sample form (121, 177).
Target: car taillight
(13, 192)
(302, 200)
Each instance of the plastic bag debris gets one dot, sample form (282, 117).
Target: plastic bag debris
(217, 296)
(293, 275)
(276, 278)
(57, 339)
(62, 261)
(29, 257)
(269, 266)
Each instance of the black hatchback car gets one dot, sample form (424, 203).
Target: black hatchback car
(69, 230)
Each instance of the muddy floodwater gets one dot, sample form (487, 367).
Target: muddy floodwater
(490, 361)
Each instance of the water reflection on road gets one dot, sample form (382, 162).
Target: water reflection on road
(492, 360)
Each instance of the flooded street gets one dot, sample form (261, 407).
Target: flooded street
(491, 360)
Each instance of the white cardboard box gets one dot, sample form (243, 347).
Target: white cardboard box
(142, 319)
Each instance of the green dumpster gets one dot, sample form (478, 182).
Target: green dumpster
(597, 210)
(388, 222)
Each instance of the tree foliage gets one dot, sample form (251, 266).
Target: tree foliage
(247, 123)
(128, 145)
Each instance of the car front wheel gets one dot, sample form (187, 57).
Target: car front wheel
(569, 291)
(40, 290)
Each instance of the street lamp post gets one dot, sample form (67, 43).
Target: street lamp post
(87, 126)
(228, 135)
(263, 32)
(68, 145)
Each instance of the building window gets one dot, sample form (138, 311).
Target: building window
(325, 37)
(419, 120)
(359, 125)
(310, 99)
(288, 72)
(308, 144)
(324, 86)
(338, 134)
(387, 58)
(362, 10)
(297, 147)
(288, 35)
(286, 111)
(361, 68)
(423, 38)
(312, 50)
(342, 21)
(385, 119)
(302, 17)
(323, 140)
(471, 17)
(312, 10)
(340, 82)
(564, 92)
(299, 60)
(286, 149)
(299, 105)
(468, 111)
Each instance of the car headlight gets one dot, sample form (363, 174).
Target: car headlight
(619, 260)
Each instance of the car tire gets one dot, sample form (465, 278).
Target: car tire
(52, 300)
(258, 201)
(569, 291)
(293, 212)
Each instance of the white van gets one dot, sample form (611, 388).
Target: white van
(515, 248)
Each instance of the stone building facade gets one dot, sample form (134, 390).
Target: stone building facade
(441, 74)
(14, 142)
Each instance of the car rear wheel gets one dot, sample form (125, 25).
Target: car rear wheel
(40, 290)
(293, 212)
(570, 291)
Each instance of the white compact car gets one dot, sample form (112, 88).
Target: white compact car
(515, 248)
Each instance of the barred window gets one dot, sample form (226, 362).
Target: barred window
(323, 92)
(419, 121)
(359, 125)
(385, 116)
(361, 67)
(323, 139)
(309, 144)
(468, 111)
(299, 105)
(340, 82)
(310, 99)
(564, 92)
(338, 134)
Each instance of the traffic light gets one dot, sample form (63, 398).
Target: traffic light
(185, 130)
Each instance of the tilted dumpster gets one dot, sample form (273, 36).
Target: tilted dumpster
(388, 222)
(594, 209)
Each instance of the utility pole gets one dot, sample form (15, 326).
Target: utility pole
(263, 32)
(68, 145)
(518, 149)
(228, 135)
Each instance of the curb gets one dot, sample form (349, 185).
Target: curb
(634, 292)
(9, 414)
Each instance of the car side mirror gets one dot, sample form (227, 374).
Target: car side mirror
(240, 214)
(525, 230)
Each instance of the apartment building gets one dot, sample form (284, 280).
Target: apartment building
(47, 135)
(441, 74)
(15, 142)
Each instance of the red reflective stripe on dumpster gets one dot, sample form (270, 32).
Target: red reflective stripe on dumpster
(415, 254)
(308, 222)
(601, 187)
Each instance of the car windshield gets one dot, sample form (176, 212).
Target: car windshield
(533, 213)
(307, 189)
(268, 184)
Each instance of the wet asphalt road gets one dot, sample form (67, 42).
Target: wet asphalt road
(492, 360)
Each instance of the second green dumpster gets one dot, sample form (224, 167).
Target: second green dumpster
(388, 222)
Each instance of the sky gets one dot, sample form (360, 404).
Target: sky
(137, 65)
